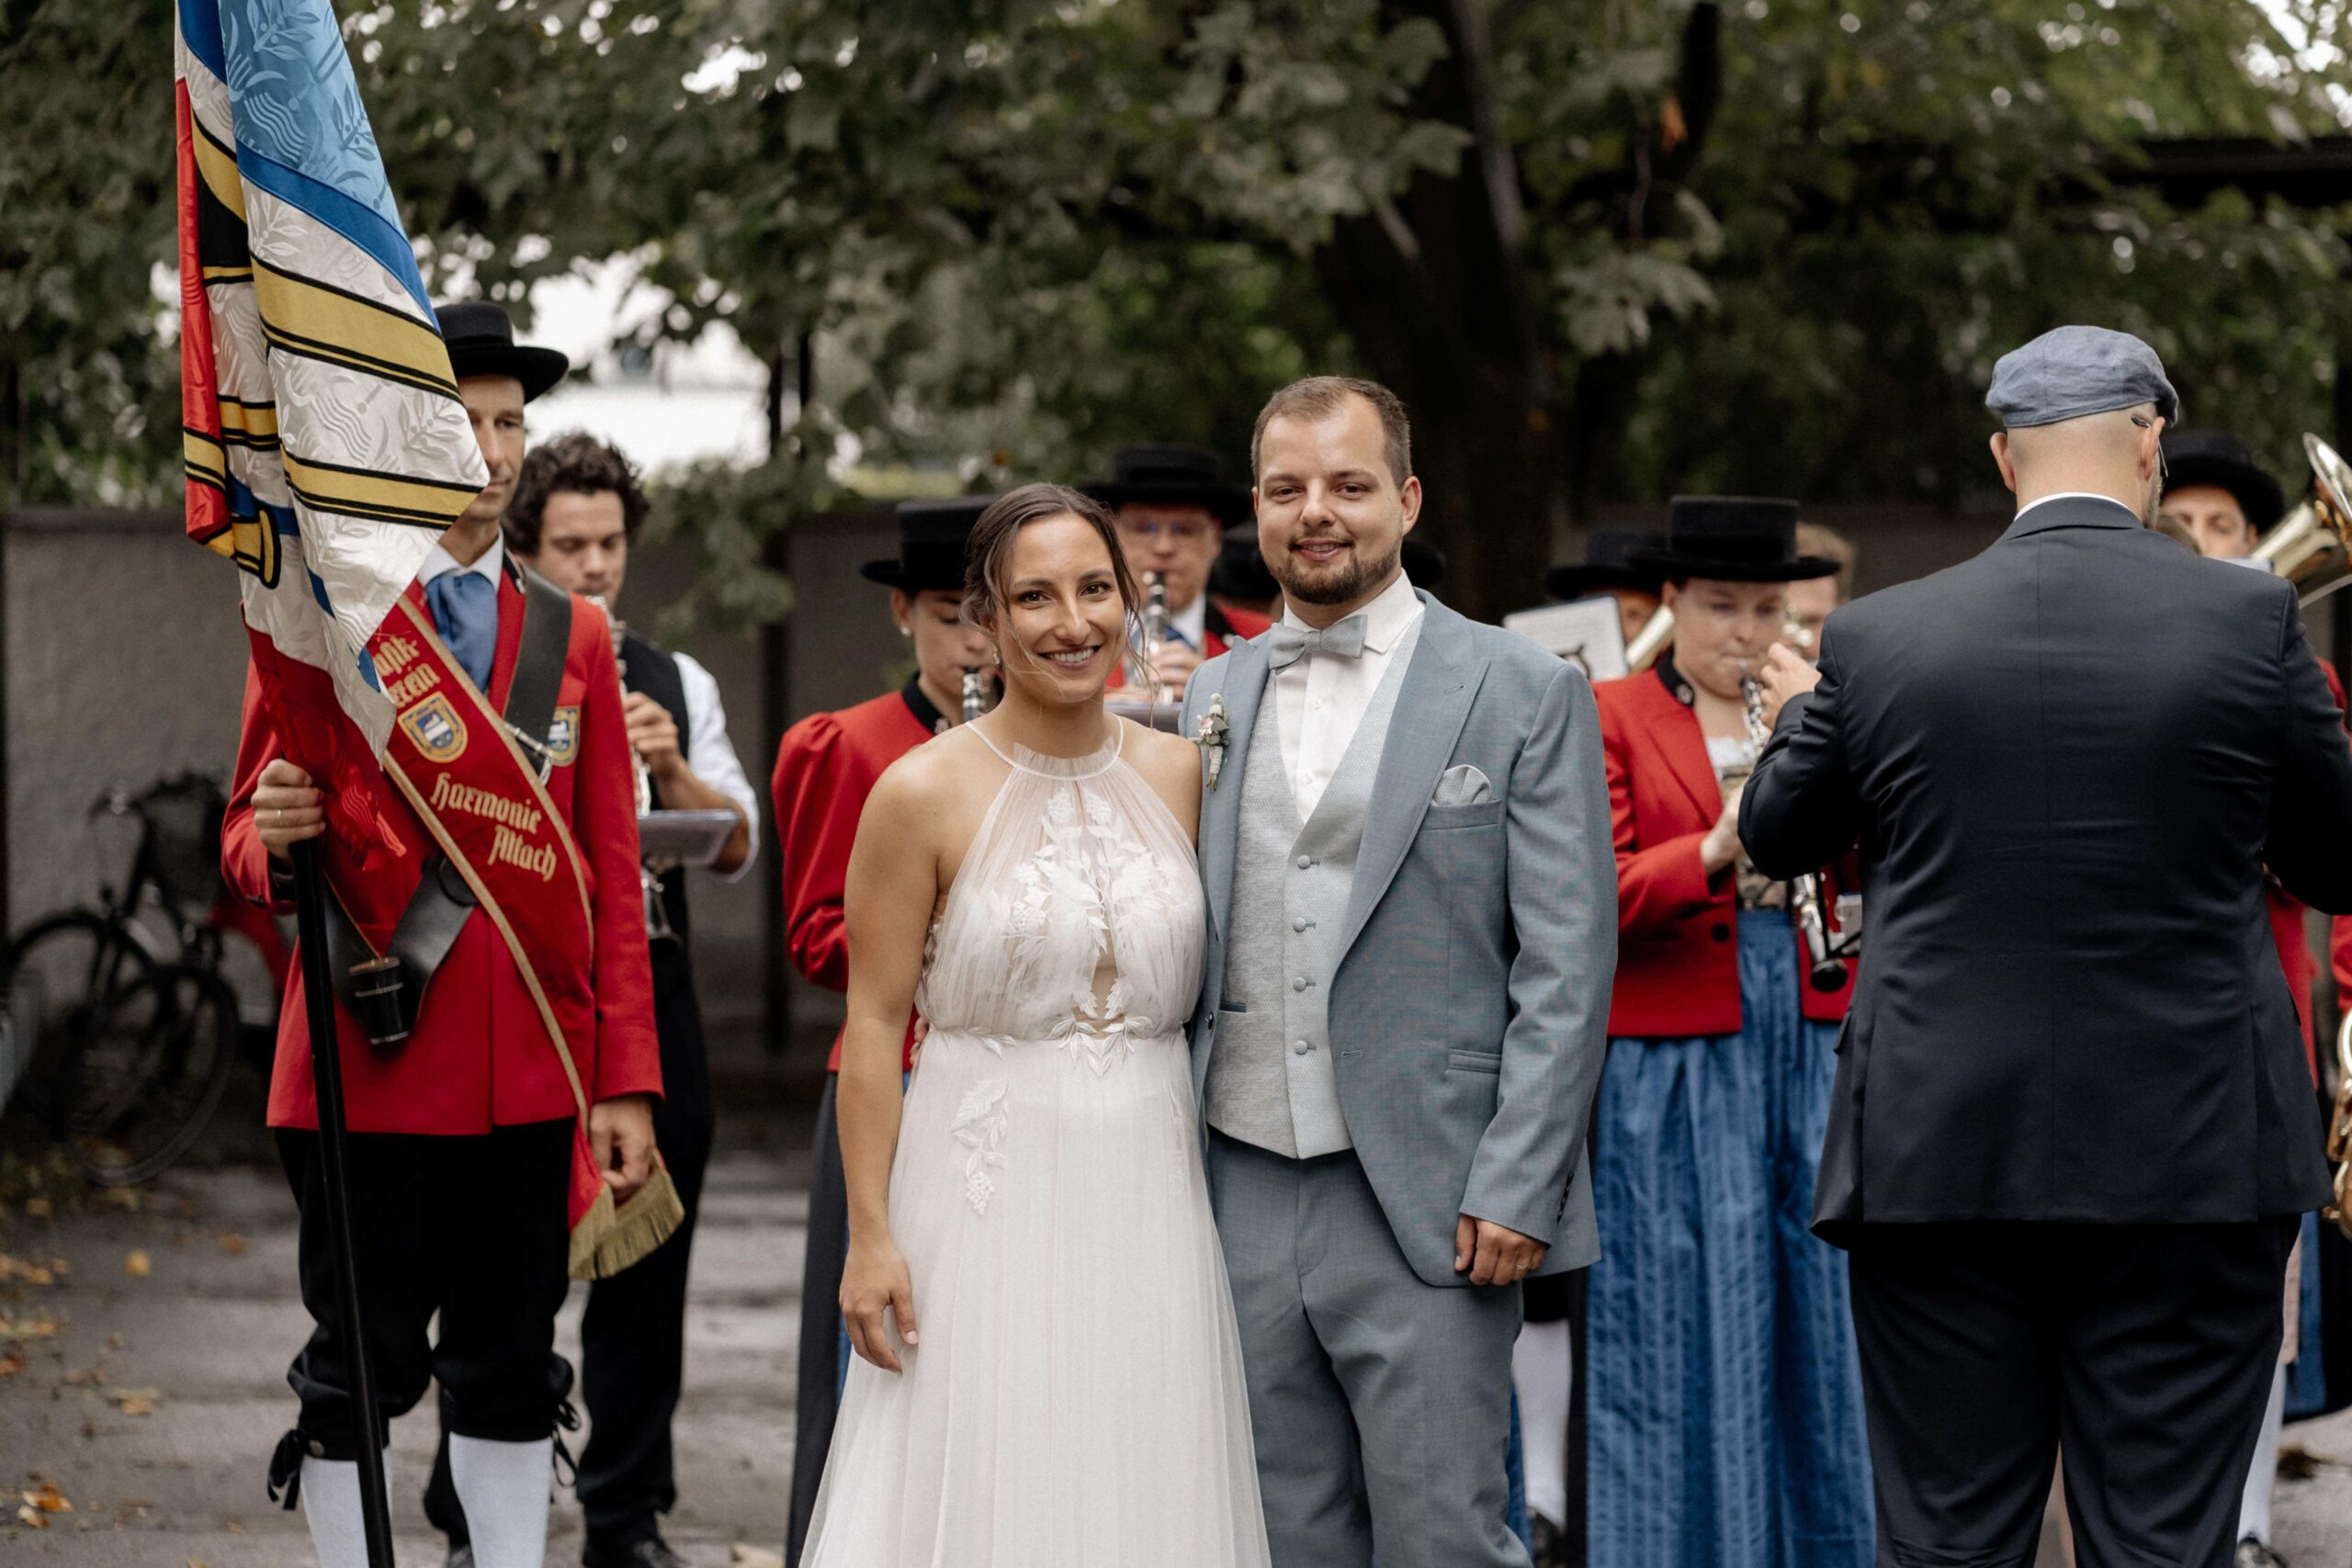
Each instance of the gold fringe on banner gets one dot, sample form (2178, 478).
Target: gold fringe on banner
(607, 1240)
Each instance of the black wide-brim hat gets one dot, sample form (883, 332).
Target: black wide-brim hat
(1733, 539)
(482, 342)
(2210, 458)
(1157, 475)
(1241, 570)
(1608, 564)
(1424, 562)
(932, 538)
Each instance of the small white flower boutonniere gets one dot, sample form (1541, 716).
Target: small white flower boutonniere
(1212, 737)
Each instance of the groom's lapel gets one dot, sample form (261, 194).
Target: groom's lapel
(1431, 706)
(1243, 688)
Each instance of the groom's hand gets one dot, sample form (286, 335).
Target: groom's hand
(1495, 1255)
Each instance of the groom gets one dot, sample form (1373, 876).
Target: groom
(1412, 924)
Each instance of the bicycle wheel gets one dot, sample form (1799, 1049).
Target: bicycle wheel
(173, 1034)
(57, 978)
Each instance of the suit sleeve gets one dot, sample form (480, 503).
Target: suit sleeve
(604, 821)
(2309, 840)
(1562, 889)
(245, 865)
(1801, 809)
(817, 805)
(1657, 884)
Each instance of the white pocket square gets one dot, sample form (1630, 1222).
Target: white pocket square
(1462, 785)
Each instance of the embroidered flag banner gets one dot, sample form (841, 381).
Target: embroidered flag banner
(324, 443)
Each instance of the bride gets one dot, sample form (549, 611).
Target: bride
(1048, 1371)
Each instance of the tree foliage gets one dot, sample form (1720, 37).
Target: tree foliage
(1605, 251)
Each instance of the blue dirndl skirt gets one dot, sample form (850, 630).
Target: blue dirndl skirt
(1724, 1392)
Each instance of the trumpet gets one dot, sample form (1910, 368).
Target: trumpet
(2312, 545)
(1824, 969)
(657, 912)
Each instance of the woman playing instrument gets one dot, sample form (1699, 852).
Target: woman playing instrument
(824, 769)
(1722, 1390)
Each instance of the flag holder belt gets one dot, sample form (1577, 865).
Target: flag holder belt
(384, 992)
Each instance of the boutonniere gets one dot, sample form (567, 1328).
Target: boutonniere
(1212, 737)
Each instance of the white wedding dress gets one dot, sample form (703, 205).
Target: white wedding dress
(1077, 1398)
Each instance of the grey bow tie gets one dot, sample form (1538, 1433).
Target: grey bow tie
(1286, 644)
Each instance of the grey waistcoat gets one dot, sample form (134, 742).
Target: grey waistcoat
(1269, 1072)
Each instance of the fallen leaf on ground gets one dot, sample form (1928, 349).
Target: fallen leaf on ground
(125, 1198)
(48, 1500)
(38, 1208)
(11, 1364)
(137, 1265)
(756, 1557)
(27, 1328)
(232, 1243)
(135, 1401)
(113, 1341)
(59, 1266)
(198, 1562)
(32, 1518)
(233, 1526)
(35, 1274)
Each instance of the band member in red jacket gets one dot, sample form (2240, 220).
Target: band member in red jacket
(1172, 506)
(490, 1146)
(824, 769)
(1722, 1390)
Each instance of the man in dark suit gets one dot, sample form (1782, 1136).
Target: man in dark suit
(2073, 1128)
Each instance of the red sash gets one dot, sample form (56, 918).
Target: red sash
(457, 764)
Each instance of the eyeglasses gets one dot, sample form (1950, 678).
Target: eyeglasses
(1155, 529)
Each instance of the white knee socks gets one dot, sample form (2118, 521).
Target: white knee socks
(1541, 1368)
(2254, 1510)
(330, 1507)
(505, 1489)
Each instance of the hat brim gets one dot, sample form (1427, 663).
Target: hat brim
(1577, 582)
(537, 368)
(1672, 564)
(1228, 502)
(2259, 496)
(895, 573)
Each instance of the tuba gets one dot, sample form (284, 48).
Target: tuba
(2312, 545)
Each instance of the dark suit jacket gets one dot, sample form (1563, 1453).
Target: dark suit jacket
(2066, 762)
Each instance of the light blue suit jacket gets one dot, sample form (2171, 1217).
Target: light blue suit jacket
(1470, 1006)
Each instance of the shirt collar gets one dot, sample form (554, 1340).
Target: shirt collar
(1192, 622)
(1393, 610)
(918, 704)
(490, 563)
(2072, 495)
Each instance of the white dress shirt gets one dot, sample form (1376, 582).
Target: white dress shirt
(2069, 495)
(490, 563)
(1320, 699)
(711, 756)
(1192, 622)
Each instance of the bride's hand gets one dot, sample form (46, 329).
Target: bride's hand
(876, 1279)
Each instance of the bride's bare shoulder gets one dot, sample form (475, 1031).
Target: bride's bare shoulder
(934, 775)
(1169, 763)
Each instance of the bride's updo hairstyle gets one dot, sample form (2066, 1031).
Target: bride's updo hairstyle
(988, 559)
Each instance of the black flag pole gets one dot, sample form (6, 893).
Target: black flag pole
(326, 1073)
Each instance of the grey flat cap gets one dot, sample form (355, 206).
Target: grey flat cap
(2073, 371)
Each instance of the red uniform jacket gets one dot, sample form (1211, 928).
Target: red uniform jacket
(825, 769)
(2287, 914)
(480, 1055)
(1678, 956)
(1221, 627)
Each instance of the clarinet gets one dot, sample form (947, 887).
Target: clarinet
(1824, 972)
(657, 913)
(976, 695)
(1154, 613)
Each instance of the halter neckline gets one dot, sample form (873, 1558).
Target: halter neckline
(1101, 759)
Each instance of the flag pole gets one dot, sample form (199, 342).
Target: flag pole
(326, 1075)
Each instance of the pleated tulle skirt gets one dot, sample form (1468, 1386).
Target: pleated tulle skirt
(1077, 1399)
(1724, 1392)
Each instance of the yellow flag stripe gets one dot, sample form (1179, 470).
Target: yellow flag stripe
(333, 322)
(218, 165)
(392, 497)
(203, 458)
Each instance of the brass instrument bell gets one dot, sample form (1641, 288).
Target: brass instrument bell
(2312, 545)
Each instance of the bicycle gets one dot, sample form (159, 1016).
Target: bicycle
(128, 1035)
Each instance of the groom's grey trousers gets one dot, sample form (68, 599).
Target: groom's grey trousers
(1409, 1385)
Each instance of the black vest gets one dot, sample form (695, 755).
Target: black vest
(647, 669)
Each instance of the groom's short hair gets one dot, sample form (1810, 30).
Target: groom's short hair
(1319, 397)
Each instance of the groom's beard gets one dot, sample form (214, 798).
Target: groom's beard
(1339, 583)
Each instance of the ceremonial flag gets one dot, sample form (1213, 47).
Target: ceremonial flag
(324, 439)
